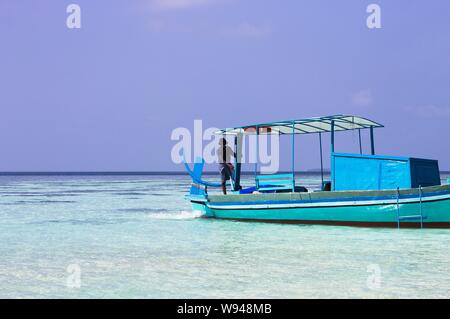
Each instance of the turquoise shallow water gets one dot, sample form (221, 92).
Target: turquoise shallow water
(136, 236)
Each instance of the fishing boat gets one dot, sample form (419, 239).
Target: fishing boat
(363, 190)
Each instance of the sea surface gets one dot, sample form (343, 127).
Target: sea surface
(136, 237)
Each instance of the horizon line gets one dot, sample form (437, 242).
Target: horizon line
(149, 173)
(124, 173)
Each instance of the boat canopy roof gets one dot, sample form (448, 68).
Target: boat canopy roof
(306, 126)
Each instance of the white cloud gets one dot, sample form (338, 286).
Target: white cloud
(429, 111)
(178, 4)
(362, 98)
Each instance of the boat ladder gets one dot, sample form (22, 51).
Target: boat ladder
(419, 218)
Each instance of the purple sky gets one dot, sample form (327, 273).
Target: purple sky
(107, 96)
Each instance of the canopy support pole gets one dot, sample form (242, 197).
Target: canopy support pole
(372, 141)
(321, 157)
(360, 143)
(332, 136)
(237, 161)
(332, 156)
(257, 151)
(293, 157)
(293, 147)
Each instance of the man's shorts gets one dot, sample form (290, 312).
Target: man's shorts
(225, 173)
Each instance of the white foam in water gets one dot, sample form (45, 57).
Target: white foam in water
(184, 214)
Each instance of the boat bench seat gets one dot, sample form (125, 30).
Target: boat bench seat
(275, 182)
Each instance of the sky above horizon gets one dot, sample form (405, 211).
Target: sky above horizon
(107, 96)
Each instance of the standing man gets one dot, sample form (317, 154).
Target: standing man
(224, 153)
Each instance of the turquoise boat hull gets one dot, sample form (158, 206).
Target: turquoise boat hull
(408, 208)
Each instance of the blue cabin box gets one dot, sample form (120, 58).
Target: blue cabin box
(373, 172)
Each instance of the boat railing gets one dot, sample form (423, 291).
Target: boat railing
(275, 182)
